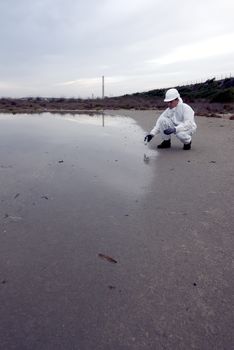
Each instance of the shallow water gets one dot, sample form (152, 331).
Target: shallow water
(70, 188)
(95, 151)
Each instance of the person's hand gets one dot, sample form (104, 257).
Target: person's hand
(169, 131)
(148, 138)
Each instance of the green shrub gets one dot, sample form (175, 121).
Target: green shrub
(224, 96)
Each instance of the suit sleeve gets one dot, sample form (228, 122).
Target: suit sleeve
(156, 129)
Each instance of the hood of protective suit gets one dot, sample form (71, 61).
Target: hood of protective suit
(171, 95)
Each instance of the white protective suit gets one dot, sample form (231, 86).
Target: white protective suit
(181, 118)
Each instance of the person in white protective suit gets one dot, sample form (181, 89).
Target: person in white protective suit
(177, 119)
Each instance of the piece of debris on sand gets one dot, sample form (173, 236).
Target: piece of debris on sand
(108, 258)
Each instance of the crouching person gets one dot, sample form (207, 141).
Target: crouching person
(177, 119)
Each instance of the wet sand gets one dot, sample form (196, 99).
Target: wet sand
(76, 195)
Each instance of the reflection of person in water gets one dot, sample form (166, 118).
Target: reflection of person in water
(177, 119)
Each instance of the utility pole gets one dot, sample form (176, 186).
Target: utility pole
(103, 118)
(103, 86)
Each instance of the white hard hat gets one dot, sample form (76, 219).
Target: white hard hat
(171, 95)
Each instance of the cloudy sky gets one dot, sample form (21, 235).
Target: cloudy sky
(62, 48)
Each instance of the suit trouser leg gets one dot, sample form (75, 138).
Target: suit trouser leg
(165, 123)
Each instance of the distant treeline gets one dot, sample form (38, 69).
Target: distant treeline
(209, 98)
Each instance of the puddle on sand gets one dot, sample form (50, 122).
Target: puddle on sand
(102, 151)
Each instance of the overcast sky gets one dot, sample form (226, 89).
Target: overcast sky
(63, 47)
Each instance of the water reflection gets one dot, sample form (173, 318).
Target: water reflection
(99, 152)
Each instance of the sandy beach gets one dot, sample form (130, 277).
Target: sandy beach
(100, 249)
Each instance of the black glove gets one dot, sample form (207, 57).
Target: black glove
(170, 131)
(148, 138)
